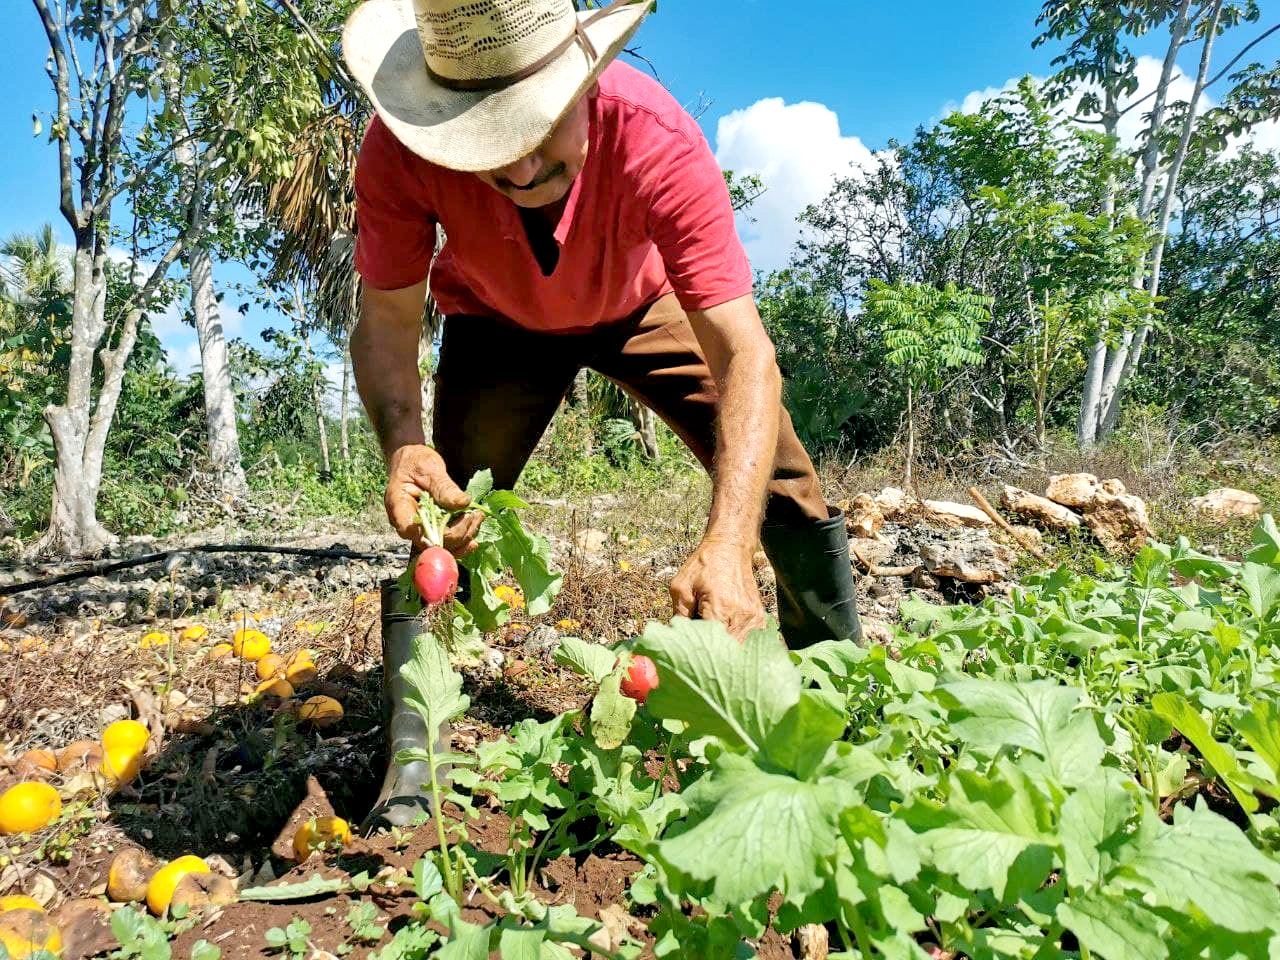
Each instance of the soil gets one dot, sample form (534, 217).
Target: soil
(228, 777)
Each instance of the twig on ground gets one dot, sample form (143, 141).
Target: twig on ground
(878, 571)
(1004, 524)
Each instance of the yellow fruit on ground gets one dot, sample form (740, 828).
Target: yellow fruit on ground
(26, 932)
(130, 871)
(263, 615)
(194, 633)
(198, 890)
(19, 901)
(162, 883)
(300, 669)
(125, 733)
(28, 806)
(274, 687)
(122, 764)
(220, 651)
(80, 753)
(321, 711)
(250, 644)
(320, 833)
(270, 665)
(156, 638)
(41, 758)
(36, 764)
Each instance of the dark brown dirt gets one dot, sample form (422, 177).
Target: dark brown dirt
(230, 778)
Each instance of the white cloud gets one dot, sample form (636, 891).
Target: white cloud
(796, 150)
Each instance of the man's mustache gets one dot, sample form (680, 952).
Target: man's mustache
(539, 180)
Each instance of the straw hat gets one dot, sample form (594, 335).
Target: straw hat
(479, 84)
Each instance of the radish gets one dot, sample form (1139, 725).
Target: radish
(436, 575)
(641, 677)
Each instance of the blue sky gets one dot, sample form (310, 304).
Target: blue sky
(797, 92)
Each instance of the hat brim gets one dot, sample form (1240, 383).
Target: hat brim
(471, 131)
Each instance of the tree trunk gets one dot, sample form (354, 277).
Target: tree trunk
(79, 426)
(344, 403)
(215, 369)
(1108, 367)
(317, 394)
(911, 435)
(646, 428)
(1134, 354)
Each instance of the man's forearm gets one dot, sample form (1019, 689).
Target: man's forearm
(742, 361)
(384, 355)
(746, 445)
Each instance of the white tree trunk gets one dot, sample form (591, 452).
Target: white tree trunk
(1134, 354)
(646, 428)
(80, 426)
(344, 402)
(1109, 367)
(215, 369)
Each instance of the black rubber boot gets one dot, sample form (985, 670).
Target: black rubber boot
(406, 787)
(817, 599)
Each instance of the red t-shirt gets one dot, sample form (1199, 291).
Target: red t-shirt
(648, 214)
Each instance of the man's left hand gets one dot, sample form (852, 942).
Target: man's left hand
(717, 583)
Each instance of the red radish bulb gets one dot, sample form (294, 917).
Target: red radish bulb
(640, 678)
(436, 575)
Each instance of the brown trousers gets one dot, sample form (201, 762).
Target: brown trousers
(498, 386)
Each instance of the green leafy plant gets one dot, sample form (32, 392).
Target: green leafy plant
(294, 940)
(927, 331)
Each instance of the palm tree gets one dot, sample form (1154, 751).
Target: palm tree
(35, 313)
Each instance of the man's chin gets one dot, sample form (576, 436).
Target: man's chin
(542, 196)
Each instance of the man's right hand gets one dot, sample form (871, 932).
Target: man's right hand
(413, 470)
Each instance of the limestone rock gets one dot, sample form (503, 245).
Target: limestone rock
(1119, 522)
(1117, 518)
(893, 503)
(1225, 503)
(969, 561)
(591, 540)
(1041, 510)
(1072, 489)
(863, 517)
(957, 514)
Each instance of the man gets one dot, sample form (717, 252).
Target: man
(587, 224)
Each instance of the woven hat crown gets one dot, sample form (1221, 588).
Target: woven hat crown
(475, 40)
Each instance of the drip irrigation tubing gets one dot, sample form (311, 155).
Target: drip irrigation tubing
(98, 569)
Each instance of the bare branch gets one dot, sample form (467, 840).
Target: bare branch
(58, 74)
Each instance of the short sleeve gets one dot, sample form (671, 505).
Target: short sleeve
(691, 222)
(395, 226)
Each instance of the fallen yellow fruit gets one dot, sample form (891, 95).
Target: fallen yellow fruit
(24, 933)
(250, 644)
(156, 638)
(275, 687)
(122, 764)
(300, 669)
(86, 753)
(19, 901)
(320, 833)
(129, 874)
(269, 666)
(125, 734)
(28, 806)
(321, 711)
(194, 633)
(163, 881)
(220, 651)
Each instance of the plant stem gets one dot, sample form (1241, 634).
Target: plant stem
(861, 934)
(451, 880)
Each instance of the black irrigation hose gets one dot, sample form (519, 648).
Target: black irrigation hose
(101, 568)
